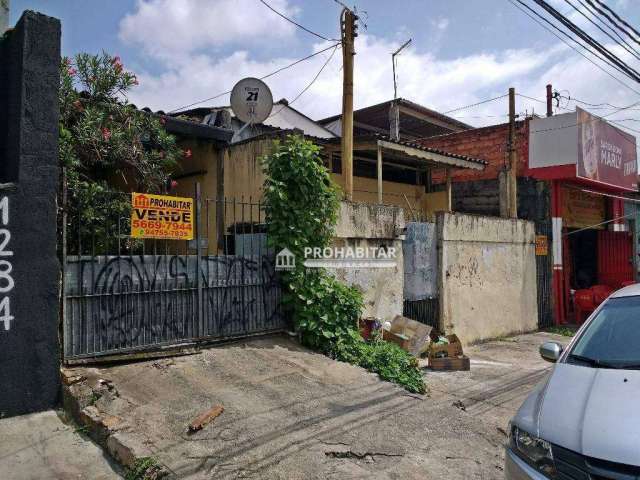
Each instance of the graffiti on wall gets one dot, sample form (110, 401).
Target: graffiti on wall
(121, 302)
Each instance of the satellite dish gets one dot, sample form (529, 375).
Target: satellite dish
(251, 100)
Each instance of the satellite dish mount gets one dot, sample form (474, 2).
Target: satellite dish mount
(251, 101)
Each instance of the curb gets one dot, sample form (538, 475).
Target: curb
(109, 432)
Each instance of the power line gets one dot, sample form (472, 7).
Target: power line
(296, 23)
(603, 5)
(475, 104)
(617, 42)
(629, 71)
(568, 44)
(261, 78)
(595, 11)
(310, 83)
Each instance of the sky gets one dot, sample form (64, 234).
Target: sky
(462, 52)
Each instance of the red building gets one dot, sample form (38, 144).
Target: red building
(573, 172)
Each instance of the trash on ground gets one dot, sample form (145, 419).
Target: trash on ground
(203, 419)
(410, 335)
(445, 353)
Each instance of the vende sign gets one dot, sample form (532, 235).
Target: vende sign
(161, 216)
(606, 154)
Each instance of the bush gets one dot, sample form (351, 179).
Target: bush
(301, 206)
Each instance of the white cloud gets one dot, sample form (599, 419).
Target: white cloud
(441, 24)
(176, 31)
(422, 77)
(165, 28)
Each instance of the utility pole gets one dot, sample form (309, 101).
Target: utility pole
(512, 181)
(348, 29)
(394, 110)
(549, 101)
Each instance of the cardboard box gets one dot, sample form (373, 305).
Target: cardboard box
(454, 358)
(410, 335)
(452, 349)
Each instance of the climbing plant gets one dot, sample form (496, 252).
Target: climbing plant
(301, 203)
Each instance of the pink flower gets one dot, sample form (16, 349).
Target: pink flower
(161, 154)
(106, 134)
(71, 71)
(187, 153)
(117, 64)
(174, 184)
(66, 61)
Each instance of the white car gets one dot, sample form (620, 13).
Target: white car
(583, 421)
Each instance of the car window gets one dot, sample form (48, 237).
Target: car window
(612, 338)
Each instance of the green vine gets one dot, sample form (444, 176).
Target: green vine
(301, 205)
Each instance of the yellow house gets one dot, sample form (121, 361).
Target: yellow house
(230, 175)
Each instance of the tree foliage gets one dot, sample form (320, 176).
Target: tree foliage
(301, 209)
(106, 144)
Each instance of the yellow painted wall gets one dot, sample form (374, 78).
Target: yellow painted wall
(244, 177)
(434, 202)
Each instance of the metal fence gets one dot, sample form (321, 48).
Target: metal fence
(425, 311)
(124, 295)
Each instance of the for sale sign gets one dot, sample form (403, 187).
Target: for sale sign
(161, 216)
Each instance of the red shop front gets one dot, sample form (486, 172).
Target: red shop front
(591, 166)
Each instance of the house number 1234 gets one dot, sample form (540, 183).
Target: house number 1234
(6, 280)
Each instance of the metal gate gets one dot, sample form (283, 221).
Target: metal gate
(124, 295)
(615, 258)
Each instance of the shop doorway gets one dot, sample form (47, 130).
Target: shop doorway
(583, 248)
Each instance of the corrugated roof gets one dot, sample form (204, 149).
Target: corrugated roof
(386, 138)
(408, 103)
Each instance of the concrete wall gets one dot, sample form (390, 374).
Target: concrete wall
(29, 269)
(420, 252)
(363, 225)
(487, 277)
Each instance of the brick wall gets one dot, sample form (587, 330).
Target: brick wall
(487, 143)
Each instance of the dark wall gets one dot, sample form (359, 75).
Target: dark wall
(29, 275)
(481, 197)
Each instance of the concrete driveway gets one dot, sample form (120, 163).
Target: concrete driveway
(293, 414)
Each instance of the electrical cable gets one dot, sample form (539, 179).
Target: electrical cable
(593, 10)
(617, 42)
(603, 5)
(297, 24)
(475, 104)
(572, 27)
(310, 83)
(568, 44)
(261, 78)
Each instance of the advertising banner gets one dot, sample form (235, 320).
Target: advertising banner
(582, 209)
(161, 216)
(606, 154)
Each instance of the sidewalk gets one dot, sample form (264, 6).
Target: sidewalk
(40, 446)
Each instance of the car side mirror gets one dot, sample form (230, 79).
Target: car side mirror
(550, 351)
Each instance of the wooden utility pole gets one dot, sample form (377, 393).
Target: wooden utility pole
(549, 101)
(347, 27)
(512, 181)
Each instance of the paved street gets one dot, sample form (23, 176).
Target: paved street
(290, 413)
(41, 446)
